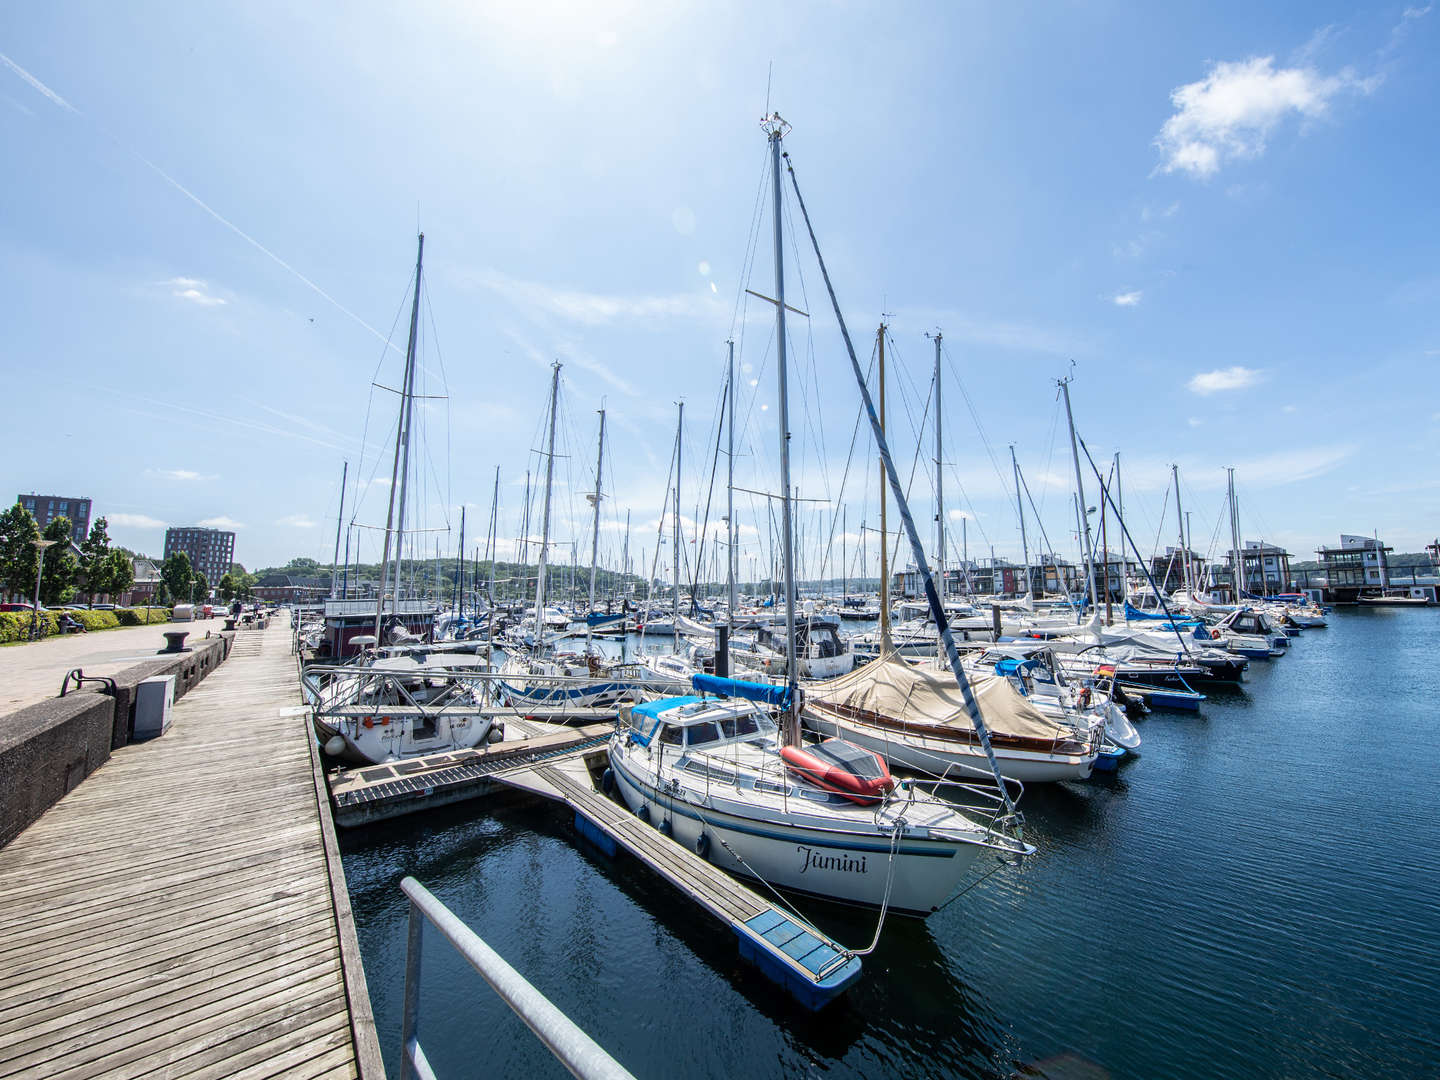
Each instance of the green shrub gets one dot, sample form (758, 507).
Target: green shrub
(15, 625)
(95, 620)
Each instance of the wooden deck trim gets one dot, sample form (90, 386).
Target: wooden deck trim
(363, 1033)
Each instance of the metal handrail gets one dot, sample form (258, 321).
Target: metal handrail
(574, 1049)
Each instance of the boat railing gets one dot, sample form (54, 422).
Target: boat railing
(328, 688)
(580, 1054)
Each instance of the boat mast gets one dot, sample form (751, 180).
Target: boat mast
(1019, 506)
(1184, 545)
(675, 612)
(339, 520)
(939, 478)
(595, 529)
(844, 570)
(730, 484)
(545, 516)
(460, 566)
(402, 445)
(1120, 520)
(775, 128)
(625, 557)
(1082, 519)
(1237, 574)
(1105, 549)
(525, 534)
(917, 548)
(884, 537)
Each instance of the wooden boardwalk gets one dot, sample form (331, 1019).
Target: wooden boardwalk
(182, 912)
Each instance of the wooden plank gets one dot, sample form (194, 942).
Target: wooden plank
(326, 1055)
(127, 1026)
(365, 1040)
(176, 914)
(157, 970)
(56, 1019)
(94, 945)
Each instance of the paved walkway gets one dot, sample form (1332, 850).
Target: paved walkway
(34, 671)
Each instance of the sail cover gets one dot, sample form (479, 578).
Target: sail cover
(750, 691)
(891, 687)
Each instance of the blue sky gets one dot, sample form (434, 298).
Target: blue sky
(1222, 214)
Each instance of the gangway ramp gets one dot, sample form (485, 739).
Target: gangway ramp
(808, 965)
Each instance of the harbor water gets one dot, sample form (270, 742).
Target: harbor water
(1256, 894)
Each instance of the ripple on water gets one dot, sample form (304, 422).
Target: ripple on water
(1257, 894)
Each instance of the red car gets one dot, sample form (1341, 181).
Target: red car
(18, 607)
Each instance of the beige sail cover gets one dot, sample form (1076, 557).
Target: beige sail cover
(922, 695)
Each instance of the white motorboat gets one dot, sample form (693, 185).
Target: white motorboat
(821, 653)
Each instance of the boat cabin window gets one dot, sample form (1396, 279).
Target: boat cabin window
(702, 733)
(740, 727)
(669, 735)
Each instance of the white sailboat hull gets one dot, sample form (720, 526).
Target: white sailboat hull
(824, 862)
(936, 757)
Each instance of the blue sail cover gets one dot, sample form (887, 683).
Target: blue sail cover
(750, 691)
(1134, 613)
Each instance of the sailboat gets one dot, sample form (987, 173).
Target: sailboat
(730, 777)
(387, 704)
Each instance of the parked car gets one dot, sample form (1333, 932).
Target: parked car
(19, 607)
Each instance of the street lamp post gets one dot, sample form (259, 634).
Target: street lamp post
(40, 546)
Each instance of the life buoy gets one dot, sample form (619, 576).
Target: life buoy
(1084, 697)
(1214, 635)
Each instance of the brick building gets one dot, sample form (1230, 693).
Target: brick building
(46, 508)
(211, 551)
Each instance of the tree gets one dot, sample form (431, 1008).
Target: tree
(93, 553)
(57, 577)
(177, 577)
(117, 572)
(201, 587)
(226, 588)
(17, 552)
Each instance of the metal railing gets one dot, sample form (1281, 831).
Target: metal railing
(574, 1049)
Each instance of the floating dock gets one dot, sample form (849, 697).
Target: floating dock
(183, 912)
(376, 792)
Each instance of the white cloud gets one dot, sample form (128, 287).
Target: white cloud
(297, 521)
(221, 522)
(133, 521)
(180, 474)
(1231, 112)
(1151, 213)
(592, 309)
(194, 290)
(1195, 421)
(1231, 378)
(1127, 299)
